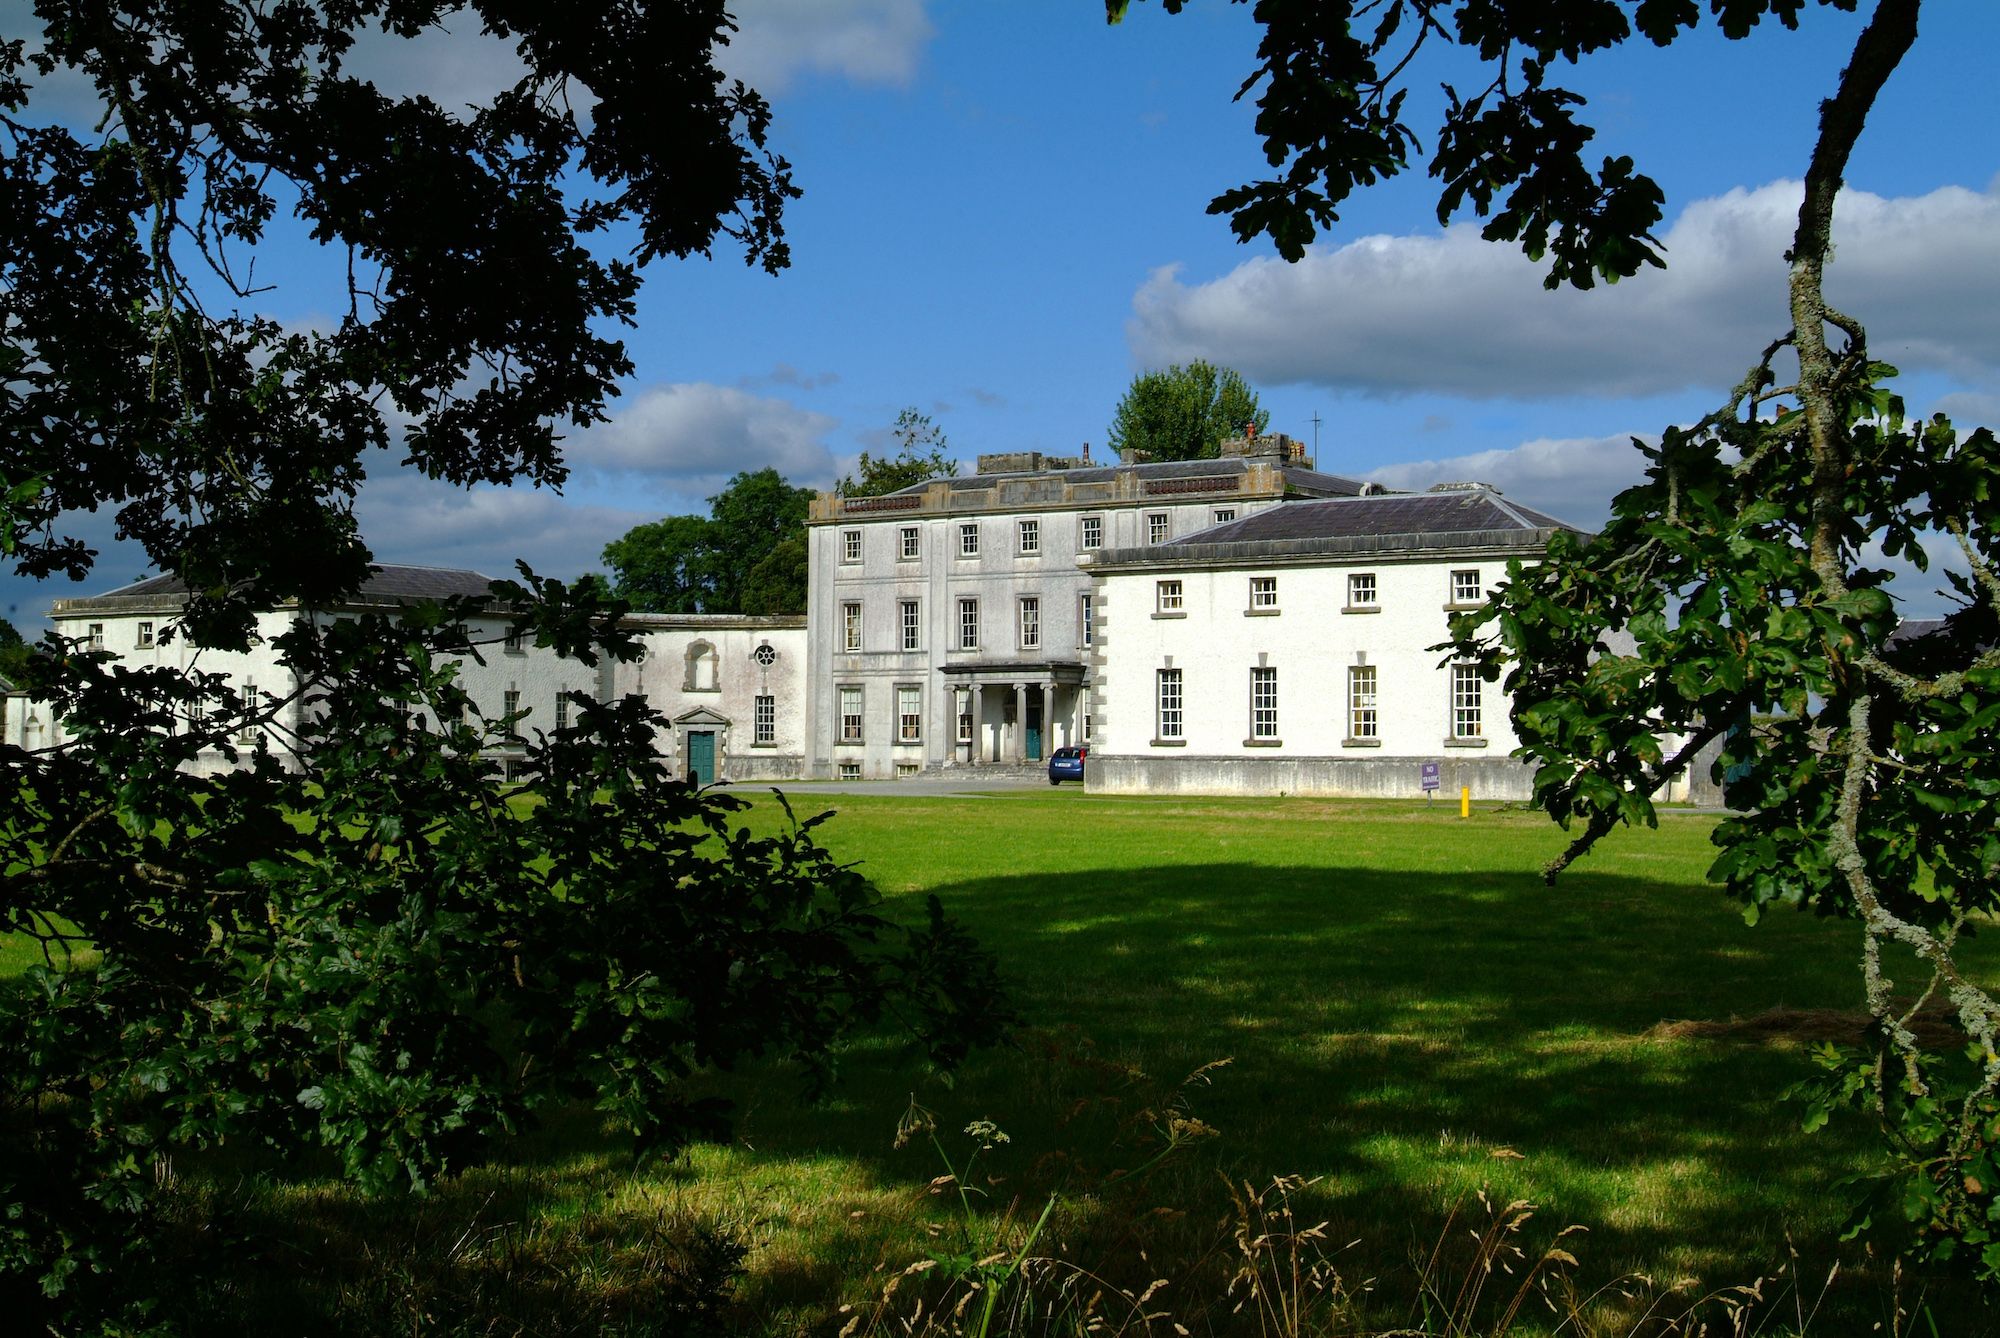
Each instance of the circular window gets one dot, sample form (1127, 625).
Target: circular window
(764, 655)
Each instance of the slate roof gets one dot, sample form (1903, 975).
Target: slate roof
(386, 585)
(1398, 524)
(1306, 480)
(1914, 629)
(1473, 510)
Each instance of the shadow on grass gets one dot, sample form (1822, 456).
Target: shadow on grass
(1409, 1038)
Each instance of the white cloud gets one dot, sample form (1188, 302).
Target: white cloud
(1448, 313)
(406, 518)
(1572, 479)
(455, 63)
(693, 437)
(1924, 594)
(865, 41)
(1969, 409)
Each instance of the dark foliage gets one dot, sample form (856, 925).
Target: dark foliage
(350, 941)
(748, 555)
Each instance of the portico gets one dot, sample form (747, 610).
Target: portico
(1015, 711)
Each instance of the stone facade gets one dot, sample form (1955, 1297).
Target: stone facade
(949, 624)
(1238, 625)
(737, 680)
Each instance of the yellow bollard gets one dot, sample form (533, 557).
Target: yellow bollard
(1465, 801)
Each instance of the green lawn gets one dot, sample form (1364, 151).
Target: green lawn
(1408, 1013)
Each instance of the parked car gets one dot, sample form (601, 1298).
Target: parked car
(1066, 764)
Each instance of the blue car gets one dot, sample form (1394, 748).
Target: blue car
(1066, 764)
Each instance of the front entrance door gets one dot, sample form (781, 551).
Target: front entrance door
(701, 756)
(1034, 727)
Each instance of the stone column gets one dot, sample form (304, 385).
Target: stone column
(1048, 692)
(1020, 724)
(958, 698)
(978, 723)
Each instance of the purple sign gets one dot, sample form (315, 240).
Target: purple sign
(1430, 774)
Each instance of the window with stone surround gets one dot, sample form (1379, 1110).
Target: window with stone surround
(1466, 722)
(1263, 703)
(1361, 702)
(247, 731)
(1167, 698)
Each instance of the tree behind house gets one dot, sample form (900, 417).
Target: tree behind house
(1185, 412)
(919, 458)
(746, 556)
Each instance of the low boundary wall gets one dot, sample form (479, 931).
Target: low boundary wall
(1489, 778)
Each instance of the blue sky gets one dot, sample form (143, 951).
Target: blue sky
(1004, 219)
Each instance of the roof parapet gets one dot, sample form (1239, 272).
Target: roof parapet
(1290, 450)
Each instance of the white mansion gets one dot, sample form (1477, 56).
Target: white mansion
(1244, 624)
(731, 685)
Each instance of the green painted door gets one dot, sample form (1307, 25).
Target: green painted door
(1035, 727)
(701, 756)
